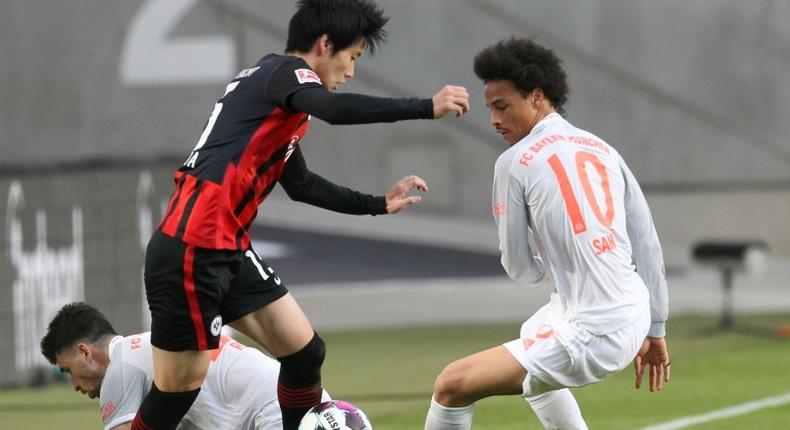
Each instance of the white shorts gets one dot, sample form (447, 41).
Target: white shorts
(558, 354)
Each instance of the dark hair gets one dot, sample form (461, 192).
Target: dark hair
(74, 322)
(345, 21)
(527, 65)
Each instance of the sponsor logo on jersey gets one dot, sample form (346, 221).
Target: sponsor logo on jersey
(107, 410)
(306, 75)
(499, 208)
(216, 325)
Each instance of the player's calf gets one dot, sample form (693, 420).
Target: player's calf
(299, 385)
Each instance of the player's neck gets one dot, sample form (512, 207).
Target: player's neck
(540, 116)
(102, 352)
(543, 113)
(308, 57)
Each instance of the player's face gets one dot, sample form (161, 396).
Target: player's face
(512, 114)
(86, 374)
(338, 66)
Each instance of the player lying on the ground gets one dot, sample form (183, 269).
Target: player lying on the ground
(239, 392)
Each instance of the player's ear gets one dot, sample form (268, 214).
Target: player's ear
(324, 45)
(84, 350)
(536, 96)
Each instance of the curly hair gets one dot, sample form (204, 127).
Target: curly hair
(527, 65)
(74, 322)
(345, 21)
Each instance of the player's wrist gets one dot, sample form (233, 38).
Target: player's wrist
(658, 329)
(428, 109)
(379, 206)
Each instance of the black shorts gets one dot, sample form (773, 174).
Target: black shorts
(193, 291)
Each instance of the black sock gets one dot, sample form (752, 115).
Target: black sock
(163, 411)
(299, 385)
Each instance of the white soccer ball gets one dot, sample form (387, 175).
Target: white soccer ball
(335, 415)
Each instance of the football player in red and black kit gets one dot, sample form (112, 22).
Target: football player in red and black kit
(200, 270)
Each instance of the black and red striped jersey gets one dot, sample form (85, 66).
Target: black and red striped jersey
(240, 155)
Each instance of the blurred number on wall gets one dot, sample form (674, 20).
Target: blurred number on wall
(151, 57)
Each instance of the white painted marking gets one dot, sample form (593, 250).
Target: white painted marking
(732, 411)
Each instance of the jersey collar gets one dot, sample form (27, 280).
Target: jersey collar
(111, 346)
(548, 120)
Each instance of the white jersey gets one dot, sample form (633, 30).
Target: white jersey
(572, 195)
(240, 390)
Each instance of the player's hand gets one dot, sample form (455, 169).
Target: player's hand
(652, 354)
(397, 198)
(451, 98)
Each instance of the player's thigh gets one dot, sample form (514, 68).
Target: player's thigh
(176, 371)
(258, 305)
(254, 286)
(184, 287)
(488, 373)
(281, 326)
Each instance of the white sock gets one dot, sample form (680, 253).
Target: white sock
(447, 418)
(558, 410)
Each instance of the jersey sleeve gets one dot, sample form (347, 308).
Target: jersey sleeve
(291, 76)
(302, 185)
(646, 252)
(294, 87)
(122, 392)
(349, 108)
(512, 218)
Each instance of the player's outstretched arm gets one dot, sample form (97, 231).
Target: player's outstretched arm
(397, 198)
(351, 108)
(302, 185)
(654, 356)
(286, 90)
(451, 98)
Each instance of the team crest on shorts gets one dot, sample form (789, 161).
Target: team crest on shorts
(216, 325)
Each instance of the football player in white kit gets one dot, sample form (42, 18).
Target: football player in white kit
(567, 208)
(239, 392)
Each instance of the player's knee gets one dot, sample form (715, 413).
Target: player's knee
(304, 366)
(448, 389)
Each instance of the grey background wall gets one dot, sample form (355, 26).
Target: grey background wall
(693, 94)
(98, 96)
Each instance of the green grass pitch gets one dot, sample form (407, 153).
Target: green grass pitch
(390, 373)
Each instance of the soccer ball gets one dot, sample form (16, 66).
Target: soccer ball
(335, 415)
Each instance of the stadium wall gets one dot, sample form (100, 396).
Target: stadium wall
(102, 100)
(692, 93)
(74, 235)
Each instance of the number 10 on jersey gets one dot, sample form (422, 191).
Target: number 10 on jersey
(583, 158)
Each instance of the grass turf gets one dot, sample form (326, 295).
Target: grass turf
(390, 373)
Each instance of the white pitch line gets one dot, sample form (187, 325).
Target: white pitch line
(743, 408)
